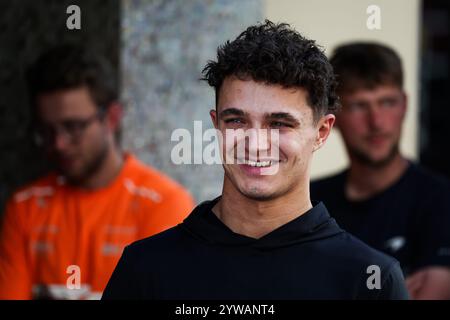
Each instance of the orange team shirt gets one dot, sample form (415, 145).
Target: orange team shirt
(60, 242)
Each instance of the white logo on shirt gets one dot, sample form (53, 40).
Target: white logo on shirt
(34, 192)
(111, 249)
(61, 292)
(142, 191)
(41, 247)
(395, 243)
(444, 252)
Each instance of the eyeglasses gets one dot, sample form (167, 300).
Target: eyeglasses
(71, 130)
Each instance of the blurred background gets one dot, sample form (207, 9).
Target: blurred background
(159, 47)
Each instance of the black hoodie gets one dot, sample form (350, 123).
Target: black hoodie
(308, 258)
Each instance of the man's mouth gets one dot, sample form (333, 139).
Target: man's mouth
(259, 164)
(377, 139)
(260, 167)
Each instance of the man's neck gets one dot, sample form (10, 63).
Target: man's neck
(364, 181)
(107, 171)
(254, 218)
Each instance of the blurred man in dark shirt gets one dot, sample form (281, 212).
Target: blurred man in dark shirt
(384, 199)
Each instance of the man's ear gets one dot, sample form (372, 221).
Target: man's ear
(214, 119)
(324, 128)
(114, 115)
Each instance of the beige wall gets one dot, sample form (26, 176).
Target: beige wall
(332, 22)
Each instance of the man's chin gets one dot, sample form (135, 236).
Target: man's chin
(72, 176)
(259, 188)
(259, 194)
(377, 160)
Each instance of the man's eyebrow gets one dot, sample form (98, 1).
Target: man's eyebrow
(231, 111)
(283, 116)
(390, 97)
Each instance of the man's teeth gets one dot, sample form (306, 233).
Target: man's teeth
(258, 163)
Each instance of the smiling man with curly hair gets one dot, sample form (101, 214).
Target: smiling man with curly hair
(262, 238)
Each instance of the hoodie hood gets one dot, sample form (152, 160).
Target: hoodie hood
(314, 224)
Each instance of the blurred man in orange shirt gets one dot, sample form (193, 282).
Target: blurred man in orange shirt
(62, 235)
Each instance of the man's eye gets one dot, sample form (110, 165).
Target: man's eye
(278, 124)
(388, 103)
(73, 126)
(234, 120)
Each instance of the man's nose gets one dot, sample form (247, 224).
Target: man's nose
(60, 141)
(375, 117)
(258, 141)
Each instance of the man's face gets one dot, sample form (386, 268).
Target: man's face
(371, 121)
(74, 134)
(256, 107)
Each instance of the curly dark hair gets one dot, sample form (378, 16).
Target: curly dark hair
(276, 54)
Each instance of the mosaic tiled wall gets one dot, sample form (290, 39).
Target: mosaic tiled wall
(165, 45)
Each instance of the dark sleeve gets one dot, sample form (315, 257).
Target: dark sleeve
(433, 242)
(123, 282)
(393, 284)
